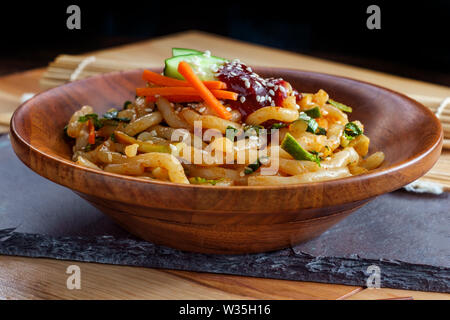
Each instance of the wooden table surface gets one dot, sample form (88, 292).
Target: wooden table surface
(27, 278)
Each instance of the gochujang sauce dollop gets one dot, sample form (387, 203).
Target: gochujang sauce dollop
(254, 92)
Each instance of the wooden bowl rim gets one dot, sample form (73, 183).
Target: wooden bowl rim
(437, 142)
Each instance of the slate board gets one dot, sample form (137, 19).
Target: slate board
(406, 235)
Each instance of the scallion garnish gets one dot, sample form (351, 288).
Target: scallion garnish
(291, 146)
(340, 106)
(352, 130)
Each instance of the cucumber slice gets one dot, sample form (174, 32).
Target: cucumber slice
(312, 124)
(204, 67)
(183, 52)
(291, 146)
(298, 127)
(313, 112)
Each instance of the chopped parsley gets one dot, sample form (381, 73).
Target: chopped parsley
(107, 117)
(279, 125)
(352, 130)
(91, 116)
(321, 131)
(253, 167)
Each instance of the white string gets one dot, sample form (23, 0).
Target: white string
(422, 186)
(442, 106)
(83, 64)
(26, 96)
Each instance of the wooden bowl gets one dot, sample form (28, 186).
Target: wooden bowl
(229, 219)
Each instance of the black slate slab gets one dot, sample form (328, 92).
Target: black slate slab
(406, 235)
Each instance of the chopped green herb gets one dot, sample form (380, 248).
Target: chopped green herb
(126, 104)
(340, 106)
(321, 131)
(352, 130)
(113, 137)
(87, 117)
(313, 112)
(113, 115)
(291, 146)
(91, 116)
(252, 167)
(200, 180)
(279, 125)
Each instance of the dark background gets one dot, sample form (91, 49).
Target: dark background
(413, 40)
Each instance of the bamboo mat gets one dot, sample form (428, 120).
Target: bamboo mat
(66, 68)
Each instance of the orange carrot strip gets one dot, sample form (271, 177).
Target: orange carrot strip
(164, 81)
(186, 71)
(91, 128)
(177, 99)
(225, 95)
(184, 91)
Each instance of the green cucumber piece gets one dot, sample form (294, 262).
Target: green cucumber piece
(312, 124)
(203, 66)
(340, 106)
(313, 112)
(291, 146)
(184, 51)
(298, 127)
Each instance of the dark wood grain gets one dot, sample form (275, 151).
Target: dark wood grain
(229, 219)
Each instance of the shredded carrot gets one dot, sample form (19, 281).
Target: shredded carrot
(164, 81)
(186, 71)
(184, 91)
(177, 99)
(91, 128)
